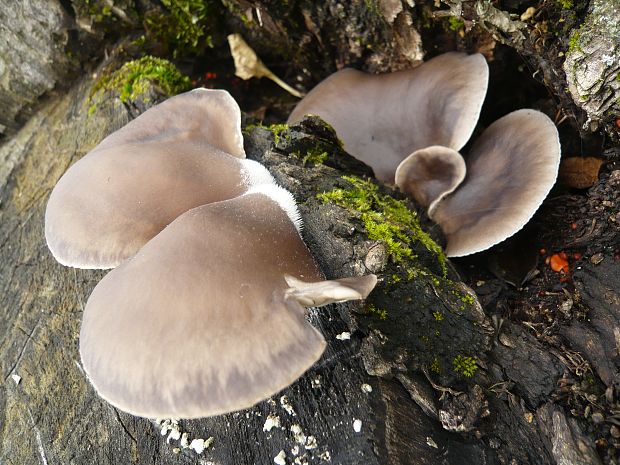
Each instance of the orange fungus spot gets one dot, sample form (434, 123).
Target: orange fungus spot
(559, 262)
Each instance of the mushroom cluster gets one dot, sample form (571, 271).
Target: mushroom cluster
(204, 310)
(409, 126)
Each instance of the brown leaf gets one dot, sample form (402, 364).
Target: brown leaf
(579, 172)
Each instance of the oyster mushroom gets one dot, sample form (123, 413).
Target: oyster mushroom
(180, 154)
(382, 119)
(208, 316)
(511, 168)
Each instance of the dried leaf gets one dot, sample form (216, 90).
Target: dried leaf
(580, 172)
(248, 65)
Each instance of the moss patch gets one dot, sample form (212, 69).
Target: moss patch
(186, 27)
(565, 4)
(464, 366)
(314, 156)
(385, 219)
(455, 24)
(573, 41)
(135, 78)
(380, 313)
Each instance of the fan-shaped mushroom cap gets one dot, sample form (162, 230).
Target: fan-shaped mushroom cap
(139, 179)
(199, 322)
(383, 118)
(429, 174)
(207, 115)
(510, 170)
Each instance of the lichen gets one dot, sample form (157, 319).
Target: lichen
(385, 219)
(465, 366)
(134, 78)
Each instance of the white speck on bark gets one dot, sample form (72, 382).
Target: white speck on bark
(280, 459)
(272, 421)
(311, 443)
(343, 336)
(430, 442)
(357, 425)
(286, 405)
(367, 388)
(298, 434)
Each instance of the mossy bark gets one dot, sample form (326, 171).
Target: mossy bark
(416, 341)
(408, 355)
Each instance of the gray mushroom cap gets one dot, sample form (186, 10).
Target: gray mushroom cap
(200, 322)
(510, 170)
(131, 186)
(429, 174)
(209, 115)
(381, 119)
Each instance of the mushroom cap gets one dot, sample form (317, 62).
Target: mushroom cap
(510, 170)
(429, 174)
(174, 157)
(197, 323)
(207, 115)
(381, 119)
(113, 200)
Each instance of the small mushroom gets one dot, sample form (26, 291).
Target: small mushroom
(429, 174)
(182, 153)
(208, 316)
(510, 170)
(382, 119)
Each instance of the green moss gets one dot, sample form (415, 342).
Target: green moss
(565, 4)
(464, 366)
(573, 41)
(438, 315)
(96, 10)
(277, 130)
(314, 156)
(372, 7)
(185, 27)
(435, 366)
(455, 24)
(380, 313)
(134, 78)
(385, 219)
